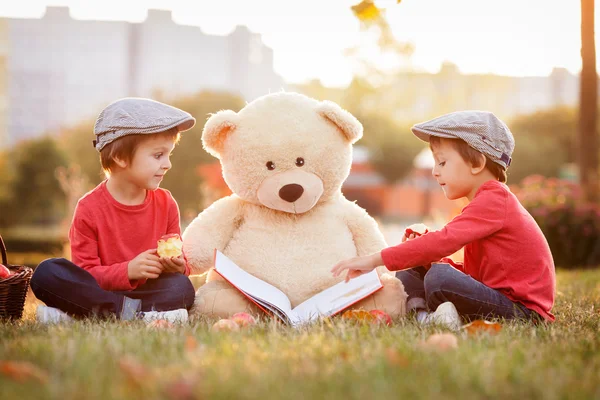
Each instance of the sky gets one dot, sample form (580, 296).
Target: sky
(507, 37)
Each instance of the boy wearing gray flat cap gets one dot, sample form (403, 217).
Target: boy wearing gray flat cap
(508, 270)
(115, 269)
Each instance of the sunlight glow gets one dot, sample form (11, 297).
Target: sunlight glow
(509, 37)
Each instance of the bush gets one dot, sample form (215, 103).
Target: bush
(571, 227)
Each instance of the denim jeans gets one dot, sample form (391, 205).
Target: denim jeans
(61, 284)
(472, 299)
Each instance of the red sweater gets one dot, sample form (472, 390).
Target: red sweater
(105, 234)
(504, 249)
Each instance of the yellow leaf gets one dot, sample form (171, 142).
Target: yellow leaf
(358, 315)
(479, 326)
(366, 10)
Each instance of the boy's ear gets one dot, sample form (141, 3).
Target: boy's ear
(347, 123)
(475, 169)
(120, 163)
(216, 130)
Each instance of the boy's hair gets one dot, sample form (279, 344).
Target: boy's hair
(472, 156)
(124, 148)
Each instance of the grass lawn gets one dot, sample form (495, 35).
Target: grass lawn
(335, 359)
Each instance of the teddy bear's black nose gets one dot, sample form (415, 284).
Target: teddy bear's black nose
(291, 192)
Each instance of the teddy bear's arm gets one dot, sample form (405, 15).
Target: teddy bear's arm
(368, 239)
(211, 229)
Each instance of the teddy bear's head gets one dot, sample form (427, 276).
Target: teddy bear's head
(285, 151)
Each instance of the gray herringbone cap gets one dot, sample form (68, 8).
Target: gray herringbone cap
(138, 116)
(482, 130)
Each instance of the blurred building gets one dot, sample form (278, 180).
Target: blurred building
(416, 96)
(421, 95)
(56, 71)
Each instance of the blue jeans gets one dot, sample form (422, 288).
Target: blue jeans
(61, 284)
(473, 299)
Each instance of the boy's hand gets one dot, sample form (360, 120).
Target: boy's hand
(145, 265)
(413, 231)
(357, 266)
(173, 264)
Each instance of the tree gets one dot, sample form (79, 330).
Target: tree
(392, 148)
(545, 143)
(588, 103)
(36, 196)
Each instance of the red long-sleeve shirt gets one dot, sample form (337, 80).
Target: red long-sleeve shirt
(504, 249)
(105, 234)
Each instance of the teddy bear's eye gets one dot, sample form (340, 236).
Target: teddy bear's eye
(270, 165)
(299, 161)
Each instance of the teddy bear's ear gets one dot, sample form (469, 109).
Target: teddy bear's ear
(216, 129)
(346, 122)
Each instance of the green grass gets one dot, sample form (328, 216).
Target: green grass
(333, 360)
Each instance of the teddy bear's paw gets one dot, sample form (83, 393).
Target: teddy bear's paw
(219, 299)
(391, 298)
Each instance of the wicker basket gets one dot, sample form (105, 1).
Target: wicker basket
(13, 289)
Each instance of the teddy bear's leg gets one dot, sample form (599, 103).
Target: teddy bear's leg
(391, 298)
(220, 299)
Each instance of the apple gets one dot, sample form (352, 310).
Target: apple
(243, 319)
(381, 317)
(417, 229)
(224, 325)
(440, 342)
(169, 246)
(4, 272)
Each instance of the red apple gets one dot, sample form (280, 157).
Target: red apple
(4, 272)
(416, 229)
(243, 319)
(381, 317)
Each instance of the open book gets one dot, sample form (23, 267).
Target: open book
(273, 301)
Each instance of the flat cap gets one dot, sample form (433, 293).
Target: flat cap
(482, 130)
(135, 116)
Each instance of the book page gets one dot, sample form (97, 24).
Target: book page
(264, 293)
(336, 298)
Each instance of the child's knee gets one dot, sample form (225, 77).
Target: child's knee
(44, 273)
(437, 278)
(183, 287)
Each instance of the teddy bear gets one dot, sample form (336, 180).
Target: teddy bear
(285, 157)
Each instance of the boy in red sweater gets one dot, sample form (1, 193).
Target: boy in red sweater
(116, 270)
(508, 271)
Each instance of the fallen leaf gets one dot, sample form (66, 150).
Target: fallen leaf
(134, 371)
(440, 342)
(22, 371)
(358, 315)
(481, 326)
(181, 389)
(190, 343)
(394, 357)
